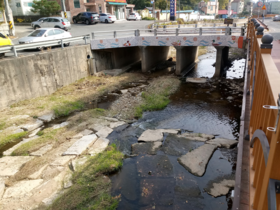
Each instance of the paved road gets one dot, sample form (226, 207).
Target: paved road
(82, 29)
(274, 28)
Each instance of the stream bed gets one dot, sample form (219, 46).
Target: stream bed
(158, 181)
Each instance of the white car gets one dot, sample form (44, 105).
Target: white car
(53, 22)
(134, 16)
(45, 34)
(107, 18)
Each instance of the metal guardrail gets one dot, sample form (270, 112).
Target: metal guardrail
(171, 31)
(34, 45)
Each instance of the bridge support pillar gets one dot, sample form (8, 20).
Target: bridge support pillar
(221, 60)
(185, 57)
(152, 55)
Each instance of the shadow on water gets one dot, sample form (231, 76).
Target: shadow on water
(158, 181)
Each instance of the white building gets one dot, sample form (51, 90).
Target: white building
(237, 6)
(21, 7)
(275, 7)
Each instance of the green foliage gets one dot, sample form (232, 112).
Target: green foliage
(5, 139)
(45, 7)
(2, 125)
(222, 4)
(90, 190)
(40, 133)
(148, 18)
(140, 4)
(180, 21)
(67, 107)
(161, 4)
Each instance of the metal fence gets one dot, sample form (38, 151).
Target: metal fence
(39, 45)
(240, 31)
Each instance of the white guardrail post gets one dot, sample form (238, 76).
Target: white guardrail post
(62, 45)
(200, 31)
(177, 31)
(15, 51)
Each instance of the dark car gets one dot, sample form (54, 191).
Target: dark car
(86, 17)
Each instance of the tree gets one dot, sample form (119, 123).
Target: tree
(140, 4)
(223, 4)
(45, 7)
(161, 4)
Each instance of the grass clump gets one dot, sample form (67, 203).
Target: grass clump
(2, 125)
(157, 95)
(67, 107)
(5, 139)
(48, 135)
(90, 189)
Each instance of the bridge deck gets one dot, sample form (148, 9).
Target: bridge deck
(275, 53)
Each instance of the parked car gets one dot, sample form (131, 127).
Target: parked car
(45, 34)
(87, 18)
(107, 18)
(38, 22)
(4, 41)
(134, 16)
(276, 18)
(54, 22)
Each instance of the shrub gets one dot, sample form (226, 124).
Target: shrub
(148, 18)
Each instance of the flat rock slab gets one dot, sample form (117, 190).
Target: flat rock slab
(10, 151)
(32, 126)
(10, 165)
(151, 135)
(220, 142)
(42, 150)
(104, 132)
(172, 131)
(109, 119)
(38, 173)
(78, 162)
(47, 117)
(196, 161)
(34, 133)
(197, 136)
(196, 80)
(221, 188)
(116, 124)
(149, 148)
(83, 133)
(61, 125)
(61, 161)
(22, 189)
(2, 189)
(99, 146)
(19, 117)
(81, 145)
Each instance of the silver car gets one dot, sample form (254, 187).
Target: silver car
(276, 18)
(38, 22)
(53, 22)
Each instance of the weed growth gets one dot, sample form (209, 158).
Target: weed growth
(5, 139)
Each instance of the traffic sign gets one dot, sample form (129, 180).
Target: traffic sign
(264, 7)
(260, 3)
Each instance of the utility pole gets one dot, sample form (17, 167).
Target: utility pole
(64, 8)
(154, 13)
(166, 9)
(179, 8)
(216, 5)
(229, 8)
(9, 16)
(263, 11)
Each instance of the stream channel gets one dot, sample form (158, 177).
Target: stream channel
(158, 181)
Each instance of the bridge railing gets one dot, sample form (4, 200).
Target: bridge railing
(264, 181)
(238, 31)
(34, 45)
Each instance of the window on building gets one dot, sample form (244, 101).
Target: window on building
(100, 8)
(18, 4)
(208, 7)
(29, 4)
(77, 4)
(211, 7)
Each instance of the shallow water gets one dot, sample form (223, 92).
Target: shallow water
(159, 181)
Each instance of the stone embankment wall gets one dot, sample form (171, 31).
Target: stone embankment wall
(41, 74)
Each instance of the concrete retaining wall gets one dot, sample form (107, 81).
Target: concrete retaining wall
(41, 74)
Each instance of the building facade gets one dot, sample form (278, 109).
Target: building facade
(21, 7)
(237, 6)
(275, 7)
(209, 8)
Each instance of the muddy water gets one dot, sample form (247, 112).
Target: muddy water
(159, 181)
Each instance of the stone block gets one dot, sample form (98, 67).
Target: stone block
(104, 132)
(61, 161)
(99, 146)
(42, 150)
(151, 135)
(11, 165)
(10, 151)
(32, 126)
(47, 117)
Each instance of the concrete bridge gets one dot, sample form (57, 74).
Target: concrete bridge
(115, 49)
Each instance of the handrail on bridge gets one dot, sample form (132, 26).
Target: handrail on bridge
(264, 87)
(34, 45)
(177, 31)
